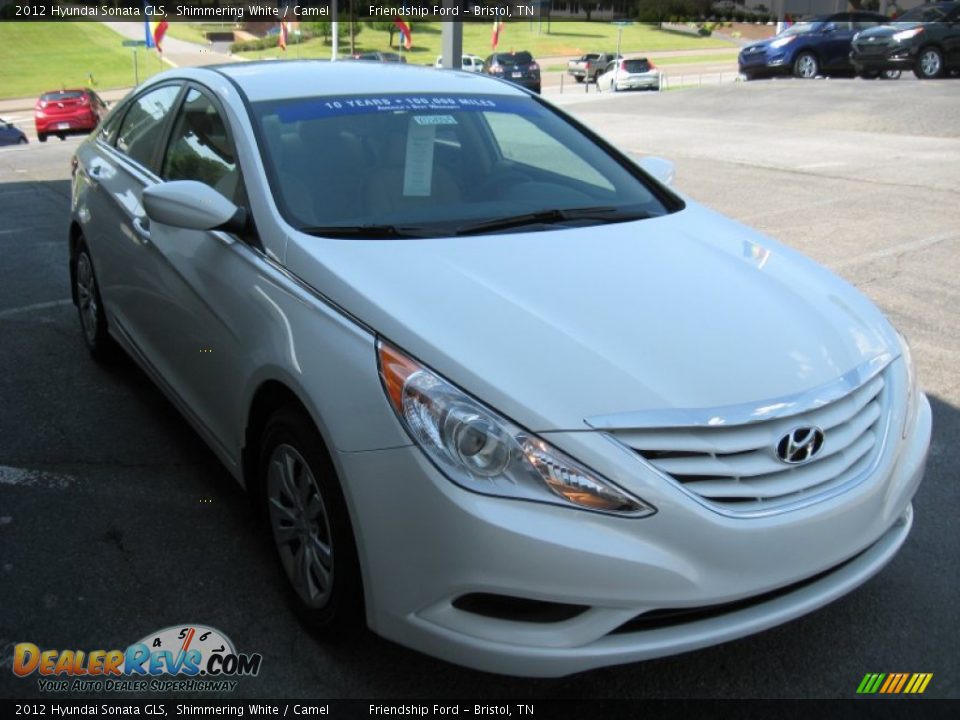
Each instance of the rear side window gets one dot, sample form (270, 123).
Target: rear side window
(200, 148)
(142, 125)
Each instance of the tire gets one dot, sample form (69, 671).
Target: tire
(806, 66)
(41, 137)
(309, 525)
(578, 78)
(929, 63)
(23, 140)
(890, 75)
(93, 319)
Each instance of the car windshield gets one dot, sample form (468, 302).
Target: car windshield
(801, 28)
(430, 165)
(922, 14)
(520, 58)
(61, 95)
(636, 66)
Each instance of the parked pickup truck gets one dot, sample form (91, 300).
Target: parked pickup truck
(590, 65)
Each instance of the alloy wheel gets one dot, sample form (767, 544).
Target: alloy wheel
(87, 298)
(930, 63)
(301, 528)
(807, 66)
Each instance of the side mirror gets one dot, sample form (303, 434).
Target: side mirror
(661, 169)
(192, 205)
(829, 28)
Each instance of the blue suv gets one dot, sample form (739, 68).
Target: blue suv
(809, 48)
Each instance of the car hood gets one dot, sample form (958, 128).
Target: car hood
(879, 31)
(690, 310)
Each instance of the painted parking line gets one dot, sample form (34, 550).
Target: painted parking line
(25, 477)
(12, 312)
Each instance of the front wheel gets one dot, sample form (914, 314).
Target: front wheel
(890, 75)
(929, 64)
(310, 524)
(41, 137)
(578, 78)
(806, 66)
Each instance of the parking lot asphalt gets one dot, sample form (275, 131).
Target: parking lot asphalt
(115, 520)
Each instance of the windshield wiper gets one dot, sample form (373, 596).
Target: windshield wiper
(601, 213)
(370, 232)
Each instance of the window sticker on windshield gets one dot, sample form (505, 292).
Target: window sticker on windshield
(434, 120)
(418, 169)
(312, 108)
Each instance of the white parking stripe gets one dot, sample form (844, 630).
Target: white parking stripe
(23, 477)
(898, 249)
(36, 306)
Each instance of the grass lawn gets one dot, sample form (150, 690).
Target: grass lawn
(35, 57)
(563, 39)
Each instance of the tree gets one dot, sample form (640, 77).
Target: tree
(383, 26)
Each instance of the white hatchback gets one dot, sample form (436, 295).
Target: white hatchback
(629, 74)
(497, 389)
(468, 63)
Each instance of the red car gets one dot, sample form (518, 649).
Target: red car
(60, 112)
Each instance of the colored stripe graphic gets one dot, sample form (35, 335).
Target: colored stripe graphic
(894, 683)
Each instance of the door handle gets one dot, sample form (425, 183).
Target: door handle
(95, 171)
(142, 227)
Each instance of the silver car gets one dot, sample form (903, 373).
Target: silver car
(498, 391)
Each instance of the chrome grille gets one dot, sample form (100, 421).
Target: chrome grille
(736, 467)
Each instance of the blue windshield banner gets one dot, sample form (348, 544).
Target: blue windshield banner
(314, 108)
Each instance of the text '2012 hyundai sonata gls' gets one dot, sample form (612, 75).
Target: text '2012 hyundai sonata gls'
(498, 391)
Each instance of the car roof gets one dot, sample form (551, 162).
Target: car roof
(281, 79)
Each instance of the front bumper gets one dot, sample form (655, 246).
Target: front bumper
(425, 544)
(896, 57)
(764, 63)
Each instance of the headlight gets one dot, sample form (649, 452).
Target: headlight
(783, 41)
(912, 390)
(482, 451)
(907, 34)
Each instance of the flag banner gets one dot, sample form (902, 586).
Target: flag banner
(155, 33)
(405, 33)
(497, 29)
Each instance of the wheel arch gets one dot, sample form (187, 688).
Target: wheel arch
(271, 395)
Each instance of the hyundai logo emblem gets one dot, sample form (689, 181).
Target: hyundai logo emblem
(800, 445)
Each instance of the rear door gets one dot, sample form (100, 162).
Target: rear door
(123, 162)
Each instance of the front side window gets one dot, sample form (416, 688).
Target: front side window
(200, 148)
(143, 124)
(435, 165)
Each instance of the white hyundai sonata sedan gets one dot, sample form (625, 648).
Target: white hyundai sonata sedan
(498, 390)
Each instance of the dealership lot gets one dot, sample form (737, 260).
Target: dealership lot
(115, 521)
